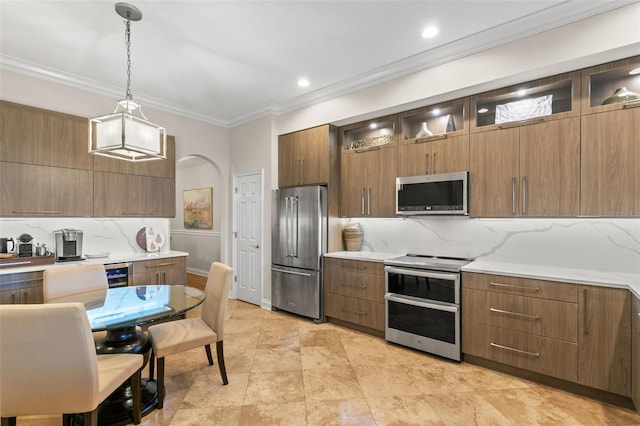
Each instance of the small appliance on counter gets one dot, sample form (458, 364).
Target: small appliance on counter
(4, 245)
(68, 244)
(25, 245)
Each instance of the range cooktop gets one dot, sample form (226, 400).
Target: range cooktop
(424, 261)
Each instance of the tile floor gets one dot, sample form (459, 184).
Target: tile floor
(284, 370)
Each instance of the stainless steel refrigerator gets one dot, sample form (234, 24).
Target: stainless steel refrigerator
(298, 241)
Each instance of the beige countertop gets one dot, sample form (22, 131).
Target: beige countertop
(112, 258)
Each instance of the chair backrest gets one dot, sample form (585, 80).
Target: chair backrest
(61, 282)
(48, 362)
(217, 289)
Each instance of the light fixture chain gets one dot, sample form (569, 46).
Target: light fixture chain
(128, 42)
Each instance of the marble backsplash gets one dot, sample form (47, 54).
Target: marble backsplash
(99, 234)
(585, 243)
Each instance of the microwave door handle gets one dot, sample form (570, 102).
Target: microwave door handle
(420, 304)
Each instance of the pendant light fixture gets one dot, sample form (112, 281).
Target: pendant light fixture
(126, 134)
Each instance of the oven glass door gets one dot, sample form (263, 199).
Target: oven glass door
(430, 285)
(432, 320)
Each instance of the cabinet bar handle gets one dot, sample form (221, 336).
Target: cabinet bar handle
(427, 165)
(434, 162)
(139, 214)
(20, 281)
(16, 263)
(513, 196)
(524, 195)
(302, 171)
(353, 268)
(520, 351)
(520, 287)
(500, 311)
(585, 292)
(367, 149)
(363, 201)
(631, 104)
(36, 211)
(353, 285)
(431, 138)
(520, 123)
(354, 311)
(369, 202)
(160, 264)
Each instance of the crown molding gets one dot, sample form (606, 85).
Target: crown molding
(570, 11)
(547, 19)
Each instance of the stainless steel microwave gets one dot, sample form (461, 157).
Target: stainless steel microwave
(443, 194)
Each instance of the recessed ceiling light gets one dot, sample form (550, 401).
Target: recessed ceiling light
(635, 71)
(373, 126)
(522, 92)
(435, 112)
(303, 82)
(430, 32)
(483, 110)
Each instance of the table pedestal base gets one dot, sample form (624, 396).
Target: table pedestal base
(116, 410)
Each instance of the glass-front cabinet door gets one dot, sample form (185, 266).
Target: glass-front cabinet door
(611, 86)
(547, 99)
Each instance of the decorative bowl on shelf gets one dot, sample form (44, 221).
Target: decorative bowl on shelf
(621, 94)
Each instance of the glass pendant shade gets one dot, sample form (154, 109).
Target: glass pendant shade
(125, 136)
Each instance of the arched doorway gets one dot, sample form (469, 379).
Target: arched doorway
(203, 245)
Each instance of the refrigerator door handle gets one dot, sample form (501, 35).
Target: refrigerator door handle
(294, 202)
(286, 224)
(304, 274)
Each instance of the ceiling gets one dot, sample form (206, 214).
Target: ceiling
(226, 62)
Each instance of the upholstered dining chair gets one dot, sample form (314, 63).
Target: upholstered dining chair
(61, 282)
(49, 365)
(182, 335)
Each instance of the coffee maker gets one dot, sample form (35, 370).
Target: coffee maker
(68, 244)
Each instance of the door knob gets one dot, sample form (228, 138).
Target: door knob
(257, 246)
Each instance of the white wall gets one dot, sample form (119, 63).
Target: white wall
(251, 149)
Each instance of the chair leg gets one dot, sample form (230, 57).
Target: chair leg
(209, 357)
(91, 418)
(66, 419)
(136, 393)
(152, 359)
(160, 382)
(8, 421)
(223, 370)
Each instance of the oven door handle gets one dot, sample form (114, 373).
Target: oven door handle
(418, 273)
(390, 297)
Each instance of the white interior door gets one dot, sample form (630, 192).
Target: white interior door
(248, 236)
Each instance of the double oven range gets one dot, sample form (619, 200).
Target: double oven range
(422, 303)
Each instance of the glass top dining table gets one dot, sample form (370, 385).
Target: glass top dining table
(119, 311)
(123, 307)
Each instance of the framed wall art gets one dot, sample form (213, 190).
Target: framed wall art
(198, 208)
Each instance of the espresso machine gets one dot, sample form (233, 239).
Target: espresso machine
(68, 244)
